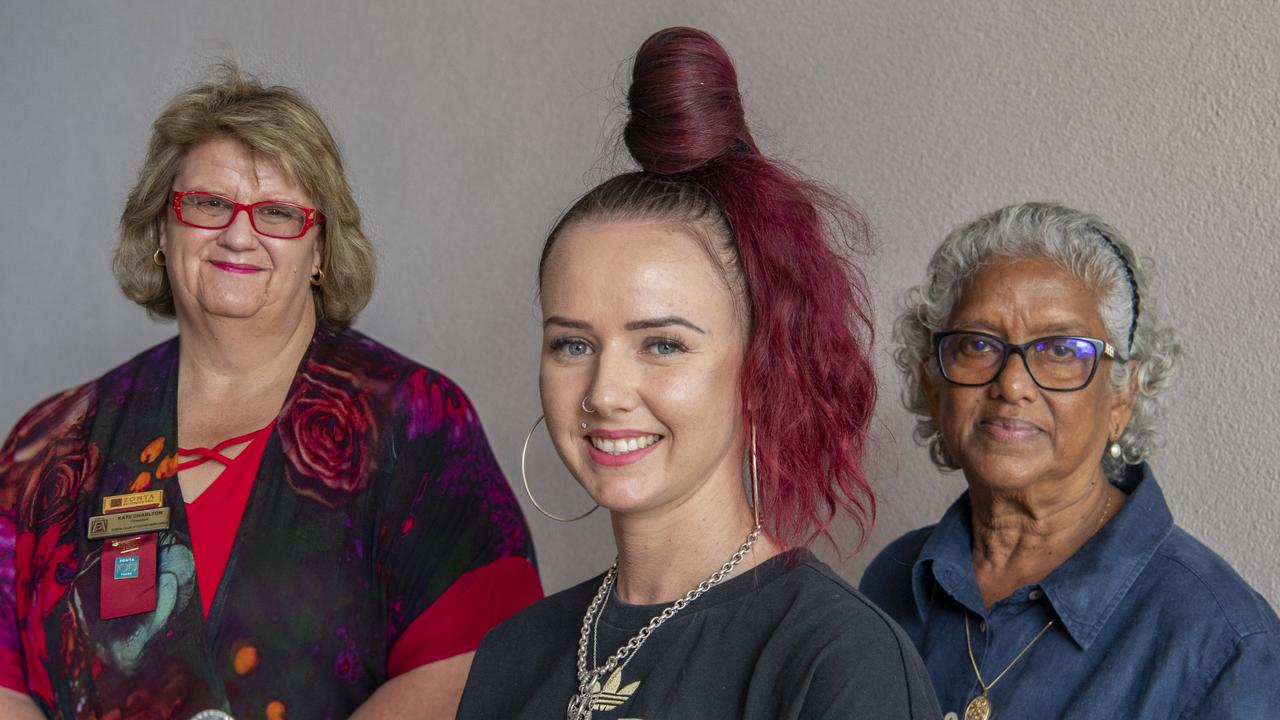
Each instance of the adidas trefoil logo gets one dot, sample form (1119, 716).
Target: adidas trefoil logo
(611, 696)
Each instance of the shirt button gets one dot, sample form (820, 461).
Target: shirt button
(1036, 594)
(982, 626)
(951, 716)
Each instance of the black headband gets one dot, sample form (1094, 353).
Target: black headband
(1133, 283)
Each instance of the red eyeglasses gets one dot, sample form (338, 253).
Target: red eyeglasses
(272, 218)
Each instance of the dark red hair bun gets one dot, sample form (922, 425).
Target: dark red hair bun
(786, 244)
(684, 102)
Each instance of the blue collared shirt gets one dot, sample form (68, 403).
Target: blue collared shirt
(1149, 623)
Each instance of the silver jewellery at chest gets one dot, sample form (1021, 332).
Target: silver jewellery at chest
(580, 704)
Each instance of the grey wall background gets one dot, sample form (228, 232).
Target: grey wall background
(467, 126)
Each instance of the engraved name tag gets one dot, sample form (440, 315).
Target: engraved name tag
(120, 503)
(128, 523)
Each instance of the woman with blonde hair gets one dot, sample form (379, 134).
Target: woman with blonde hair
(270, 514)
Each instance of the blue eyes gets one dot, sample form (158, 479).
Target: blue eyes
(666, 347)
(571, 347)
(577, 347)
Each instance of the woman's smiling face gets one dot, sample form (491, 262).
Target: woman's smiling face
(1011, 435)
(235, 272)
(639, 320)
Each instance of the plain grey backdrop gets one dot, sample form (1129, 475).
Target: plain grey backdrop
(468, 126)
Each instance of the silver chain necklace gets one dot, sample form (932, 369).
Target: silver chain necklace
(580, 703)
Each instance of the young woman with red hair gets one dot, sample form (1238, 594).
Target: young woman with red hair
(705, 377)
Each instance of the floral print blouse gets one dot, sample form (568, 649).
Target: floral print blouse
(377, 518)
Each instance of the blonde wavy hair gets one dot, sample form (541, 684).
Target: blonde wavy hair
(273, 122)
(1076, 241)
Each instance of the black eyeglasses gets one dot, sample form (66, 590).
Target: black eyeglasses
(1061, 363)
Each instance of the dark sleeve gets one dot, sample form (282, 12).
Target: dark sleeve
(1247, 685)
(479, 698)
(525, 666)
(870, 670)
(459, 559)
(887, 580)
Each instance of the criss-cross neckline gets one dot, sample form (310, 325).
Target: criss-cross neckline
(214, 453)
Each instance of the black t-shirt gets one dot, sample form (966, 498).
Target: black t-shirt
(786, 639)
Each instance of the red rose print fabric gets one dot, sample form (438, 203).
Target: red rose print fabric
(331, 436)
(377, 500)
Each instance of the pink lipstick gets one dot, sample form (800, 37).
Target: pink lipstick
(616, 448)
(235, 267)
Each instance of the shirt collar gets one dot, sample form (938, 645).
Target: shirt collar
(1085, 589)
(946, 561)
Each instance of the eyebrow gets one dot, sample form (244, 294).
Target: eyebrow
(647, 324)
(663, 322)
(285, 198)
(1063, 328)
(566, 322)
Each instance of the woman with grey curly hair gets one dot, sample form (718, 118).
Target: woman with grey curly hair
(1058, 585)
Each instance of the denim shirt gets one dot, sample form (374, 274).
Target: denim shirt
(1149, 623)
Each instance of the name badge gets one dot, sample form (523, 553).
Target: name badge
(132, 501)
(128, 572)
(128, 523)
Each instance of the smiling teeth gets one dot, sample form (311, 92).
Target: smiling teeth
(618, 447)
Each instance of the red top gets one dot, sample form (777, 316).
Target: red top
(214, 516)
(454, 624)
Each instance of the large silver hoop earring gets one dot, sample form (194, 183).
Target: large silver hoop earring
(586, 409)
(755, 478)
(524, 477)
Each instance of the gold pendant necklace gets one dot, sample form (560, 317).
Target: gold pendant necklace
(979, 708)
